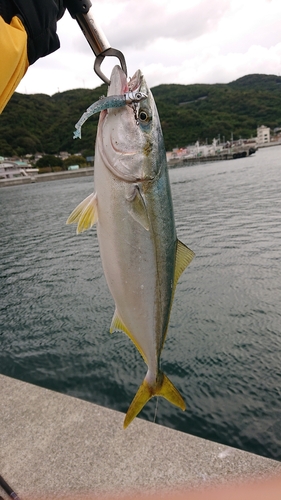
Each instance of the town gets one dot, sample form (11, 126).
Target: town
(40, 167)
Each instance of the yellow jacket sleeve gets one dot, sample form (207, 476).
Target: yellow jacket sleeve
(13, 57)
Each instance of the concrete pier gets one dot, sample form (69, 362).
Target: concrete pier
(56, 444)
(52, 176)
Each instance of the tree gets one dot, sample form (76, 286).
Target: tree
(49, 161)
(74, 160)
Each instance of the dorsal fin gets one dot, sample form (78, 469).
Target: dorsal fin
(85, 214)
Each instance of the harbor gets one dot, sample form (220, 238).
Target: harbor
(224, 335)
(13, 175)
(222, 150)
(14, 172)
(205, 155)
(181, 160)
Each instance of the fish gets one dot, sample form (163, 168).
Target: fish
(142, 257)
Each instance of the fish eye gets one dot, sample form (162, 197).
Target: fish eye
(143, 116)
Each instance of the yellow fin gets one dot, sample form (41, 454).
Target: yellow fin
(117, 324)
(162, 387)
(170, 392)
(183, 258)
(85, 214)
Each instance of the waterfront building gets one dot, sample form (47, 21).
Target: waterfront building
(11, 169)
(263, 135)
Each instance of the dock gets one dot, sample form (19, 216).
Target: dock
(232, 153)
(53, 444)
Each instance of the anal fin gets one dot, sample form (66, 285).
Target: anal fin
(118, 324)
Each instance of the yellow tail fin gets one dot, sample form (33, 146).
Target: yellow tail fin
(163, 387)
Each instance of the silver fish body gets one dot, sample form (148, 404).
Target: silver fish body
(141, 255)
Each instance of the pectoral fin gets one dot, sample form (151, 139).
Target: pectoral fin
(85, 214)
(118, 324)
(138, 209)
(162, 387)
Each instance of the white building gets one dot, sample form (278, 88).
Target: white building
(263, 134)
(10, 169)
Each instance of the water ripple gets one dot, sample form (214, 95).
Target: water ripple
(223, 349)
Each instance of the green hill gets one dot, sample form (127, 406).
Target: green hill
(42, 123)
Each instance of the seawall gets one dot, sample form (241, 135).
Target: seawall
(52, 176)
(56, 444)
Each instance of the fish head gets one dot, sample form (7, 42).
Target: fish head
(130, 139)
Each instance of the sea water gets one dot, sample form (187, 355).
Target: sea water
(223, 348)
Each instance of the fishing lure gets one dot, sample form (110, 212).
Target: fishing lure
(113, 101)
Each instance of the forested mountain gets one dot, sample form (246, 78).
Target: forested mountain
(40, 123)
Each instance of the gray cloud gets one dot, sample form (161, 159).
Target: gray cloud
(223, 40)
(141, 24)
(267, 35)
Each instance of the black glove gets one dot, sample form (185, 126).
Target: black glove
(39, 18)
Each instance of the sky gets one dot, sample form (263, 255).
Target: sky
(171, 41)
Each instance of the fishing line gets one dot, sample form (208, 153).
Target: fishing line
(156, 408)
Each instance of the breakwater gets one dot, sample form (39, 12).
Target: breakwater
(52, 176)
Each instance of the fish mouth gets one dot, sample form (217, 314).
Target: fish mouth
(119, 84)
(136, 81)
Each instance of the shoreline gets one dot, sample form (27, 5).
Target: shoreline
(88, 171)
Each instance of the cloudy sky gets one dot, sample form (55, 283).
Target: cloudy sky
(171, 41)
